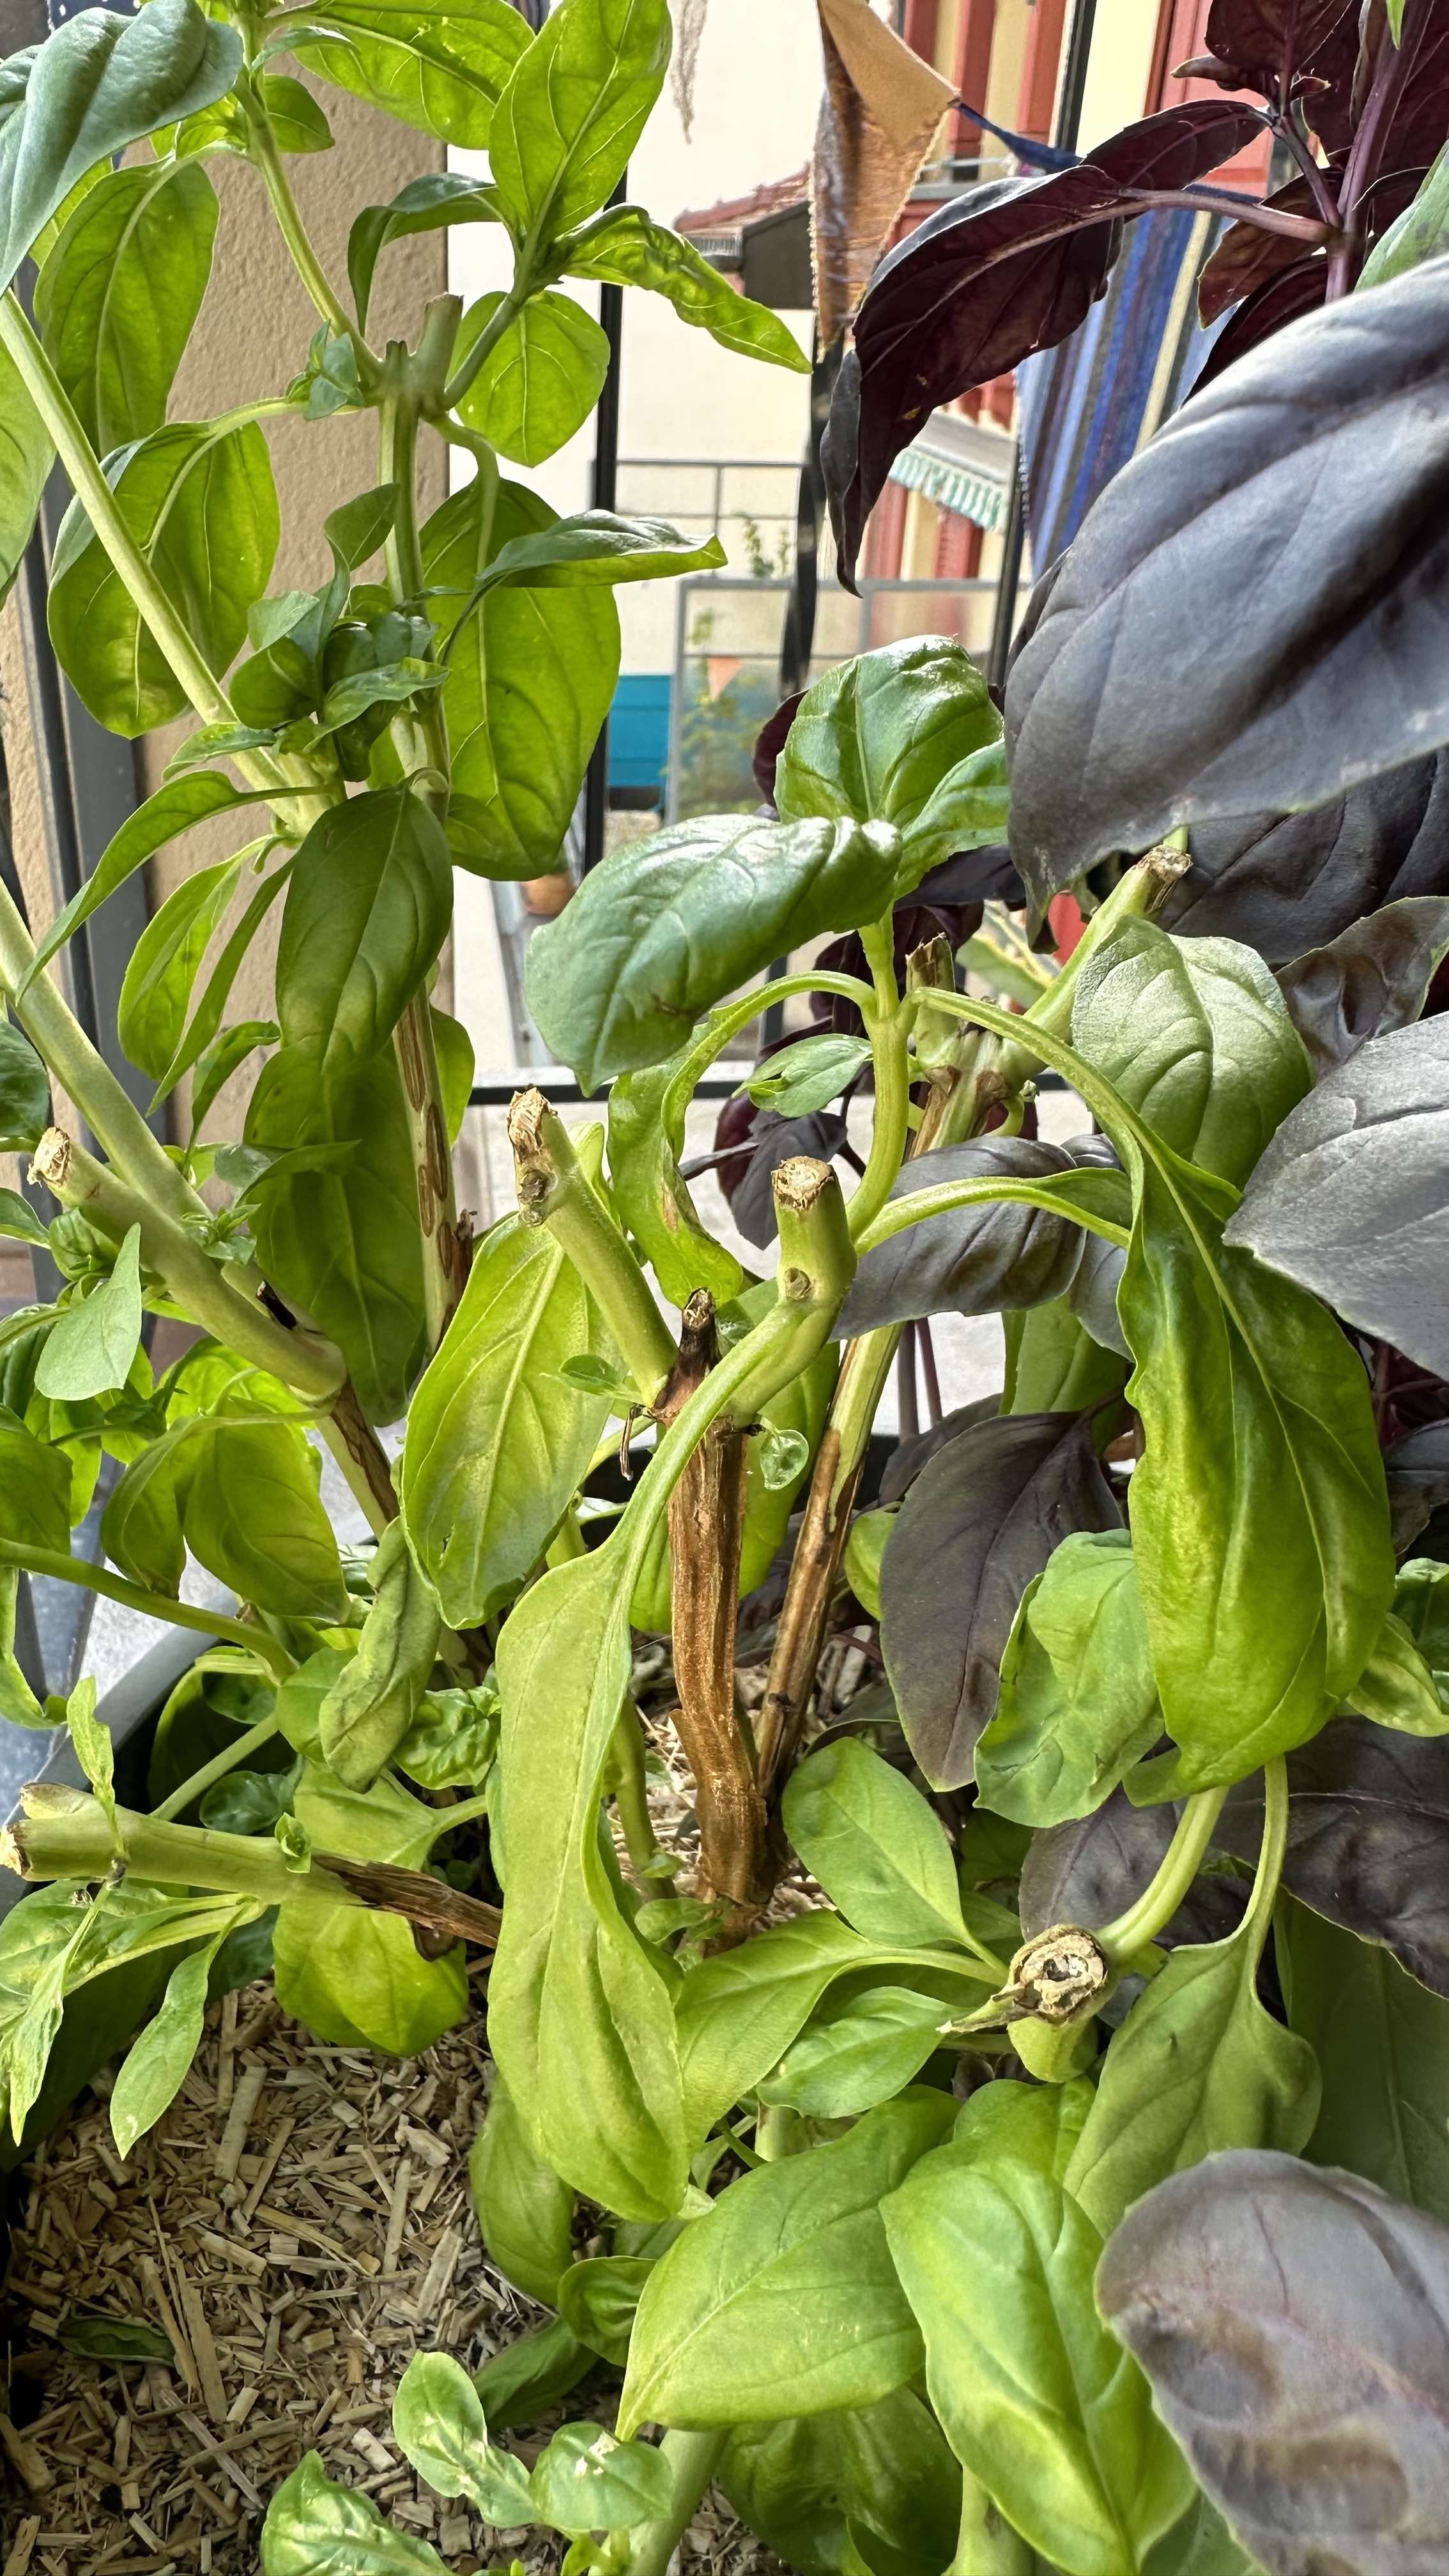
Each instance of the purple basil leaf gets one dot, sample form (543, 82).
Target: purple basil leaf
(1351, 1198)
(1262, 40)
(988, 1260)
(987, 875)
(769, 744)
(1281, 882)
(1294, 2325)
(1287, 690)
(1286, 298)
(1089, 1871)
(1008, 268)
(1368, 1838)
(1417, 1470)
(1372, 978)
(1247, 257)
(745, 1178)
(977, 1524)
(909, 1456)
(1421, 119)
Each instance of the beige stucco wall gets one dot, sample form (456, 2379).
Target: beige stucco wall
(251, 339)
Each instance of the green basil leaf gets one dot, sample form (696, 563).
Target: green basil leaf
(1420, 232)
(1396, 1687)
(373, 1703)
(646, 1140)
(874, 1845)
(1197, 2066)
(426, 205)
(438, 2422)
(165, 962)
(341, 1244)
(1259, 1509)
(368, 908)
(586, 2480)
(453, 1740)
(598, 2301)
(141, 1526)
(864, 1550)
(524, 2211)
(199, 501)
(579, 2012)
(90, 90)
(785, 2298)
(539, 381)
(24, 1090)
(593, 549)
(116, 2339)
(157, 2063)
(1078, 1703)
(437, 65)
(531, 676)
(118, 297)
(172, 810)
(1382, 2042)
(94, 1342)
(312, 2524)
(254, 1518)
(18, 1703)
(665, 928)
(519, 2384)
(497, 1440)
(26, 457)
(249, 1802)
(907, 735)
(626, 248)
(807, 1075)
(815, 2486)
(857, 2053)
(194, 1046)
(299, 1701)
(574, 108)
(352, 1975)
(1195, 1035)
(738, 2013)
(998, 2262)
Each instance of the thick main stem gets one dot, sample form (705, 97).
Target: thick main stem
(554, 1190)
(706, 1529)
(968, 1090)
(693, 2457)
(73, 1176)
(1156, 1906)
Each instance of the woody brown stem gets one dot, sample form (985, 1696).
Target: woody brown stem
(445, 1253)
(706, 1525)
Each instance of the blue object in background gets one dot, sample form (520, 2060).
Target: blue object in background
(639, 731)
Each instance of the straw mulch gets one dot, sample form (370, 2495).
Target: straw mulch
(298, 2225)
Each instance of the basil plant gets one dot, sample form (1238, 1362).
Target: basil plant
(1056, 2181)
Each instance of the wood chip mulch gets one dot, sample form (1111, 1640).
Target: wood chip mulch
(298, 2225)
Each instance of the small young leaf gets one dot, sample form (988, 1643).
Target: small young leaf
(157, 2064)
(93, 1749)
(626, 248)
(539, 381)
(586, 2480)
(24, 1091)
(165, 962)
(524, 2210)
(598, 2301)
(93, 1344)
(313, 2524)
(438, 2421)
(376, 1697)
(1078, 1703)
(857, 2054)
(875, 1847)
(807, 1075)
(116, 2339)
(574, 108)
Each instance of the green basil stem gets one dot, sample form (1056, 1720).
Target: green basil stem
(153, 1605)
(527, 279)
(693, 2457)
(553, 1190)
(229, 1759)
(978, 1082)
(1159, 1902)
(724, 1024)
(625, 1779)
(314, 1368)
(887, 1025)
(445, 1260)
(947, 1195)
(264, 156)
